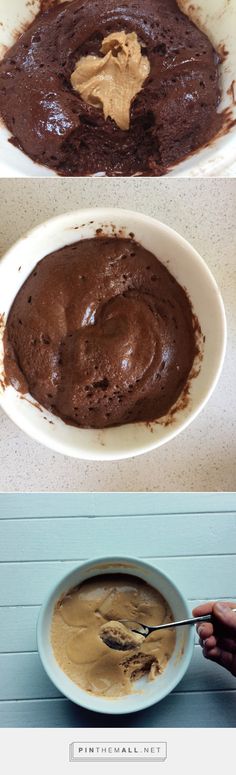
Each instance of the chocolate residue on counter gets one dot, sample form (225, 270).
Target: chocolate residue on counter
(174, 114)
(101, 334)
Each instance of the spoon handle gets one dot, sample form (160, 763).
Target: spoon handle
(205, 618)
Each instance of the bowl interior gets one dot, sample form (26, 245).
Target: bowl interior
(215, 17)
(188, 268)
(145, 693)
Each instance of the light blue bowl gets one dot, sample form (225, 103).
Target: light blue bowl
(145, 693)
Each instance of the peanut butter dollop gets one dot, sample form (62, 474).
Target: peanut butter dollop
(112, 81)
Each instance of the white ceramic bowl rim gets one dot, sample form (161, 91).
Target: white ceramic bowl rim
(89, 569)
(108, 444)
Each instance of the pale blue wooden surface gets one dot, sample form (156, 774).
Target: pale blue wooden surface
(192, 537)
(104, 504)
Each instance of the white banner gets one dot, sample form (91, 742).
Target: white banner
(63, 751)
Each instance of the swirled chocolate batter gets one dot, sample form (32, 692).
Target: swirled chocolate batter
(79, 618)
(101, 334)
(120, 88)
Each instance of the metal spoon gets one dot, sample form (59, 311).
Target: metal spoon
(144, 630)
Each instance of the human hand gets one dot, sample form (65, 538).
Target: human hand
(218, 638)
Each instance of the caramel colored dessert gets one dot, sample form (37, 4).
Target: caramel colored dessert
(119, 636)
(77, 624)
(101, 334)
(111, 87)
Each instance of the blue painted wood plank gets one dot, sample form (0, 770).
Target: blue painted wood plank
(28, 583)
(31, 505)
(162, 536)
(188, 710)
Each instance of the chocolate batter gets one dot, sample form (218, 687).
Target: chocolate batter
(173, 114)
(77, 623)
(101, 334)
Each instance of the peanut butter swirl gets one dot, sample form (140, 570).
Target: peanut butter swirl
(112, 81)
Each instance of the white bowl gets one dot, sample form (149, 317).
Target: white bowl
(216, 17)
(145, 693)
(191, 272)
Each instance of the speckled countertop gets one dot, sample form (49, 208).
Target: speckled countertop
(203, 456)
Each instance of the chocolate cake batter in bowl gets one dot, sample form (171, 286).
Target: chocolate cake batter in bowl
(113, 88)
(82, 666)
(113, 333)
